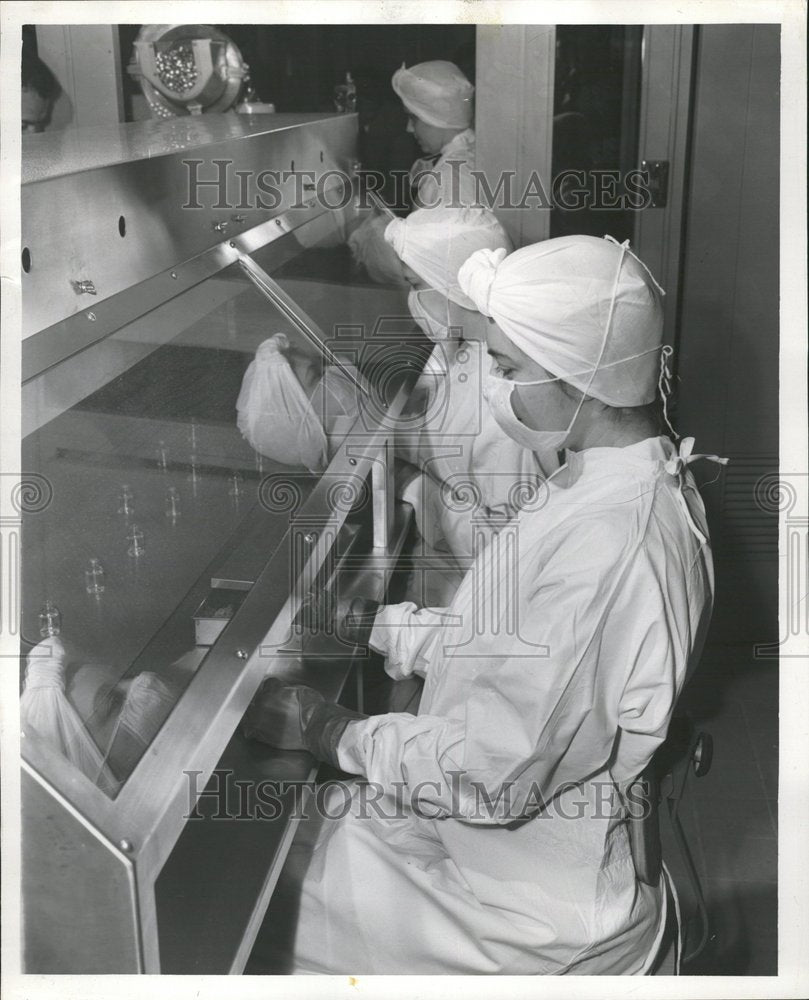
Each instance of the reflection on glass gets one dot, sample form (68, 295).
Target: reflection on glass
(131, 433)
(184, 411)
(369, 335)
(595, 129)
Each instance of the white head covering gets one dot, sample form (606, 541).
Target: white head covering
(555, 301)
(434, 242)
(436, 92)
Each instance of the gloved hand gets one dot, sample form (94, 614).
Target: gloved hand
(355, 620)
(280, 713)
(352, 619)
(296, 717)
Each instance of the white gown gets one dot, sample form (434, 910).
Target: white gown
(446, 183)
(449, 181)
(556, 674)
(463, 451)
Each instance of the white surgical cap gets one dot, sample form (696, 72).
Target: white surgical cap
(434, 242)
(436, 92)
(554, 300)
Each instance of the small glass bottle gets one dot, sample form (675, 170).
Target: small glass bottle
(172, 503)
(236, 481)
(50, 620)
(135, 539)
(94, 577)
(125, 500)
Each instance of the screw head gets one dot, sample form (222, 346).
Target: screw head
(125, 845)
(241, 654)
(91, 316)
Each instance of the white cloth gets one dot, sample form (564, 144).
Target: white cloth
(279, 419)
(370, 249)
(45, 709)
(555, 300)
(435, 243)
(471, 469)
(437, 92)
(569, 683)
(442, 320)
(449, 180)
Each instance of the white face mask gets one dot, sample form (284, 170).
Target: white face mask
(430, 327)
(497, 392)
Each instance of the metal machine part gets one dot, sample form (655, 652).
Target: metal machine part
(187, 69)
(135, 403)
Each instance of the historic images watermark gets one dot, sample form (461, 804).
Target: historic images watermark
(227, 797)
(282, 190)
(21, 496)
(785, 495)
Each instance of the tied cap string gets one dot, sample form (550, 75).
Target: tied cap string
(664, 386)
(634, 256)
(665, 376)
(624, 249)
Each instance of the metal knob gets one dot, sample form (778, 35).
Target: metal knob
(125, 845)
(241, 654)
(310, 537)
(84, 287)
(219, 227)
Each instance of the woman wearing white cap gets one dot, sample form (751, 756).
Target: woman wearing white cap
(439, 101)
(471, 470)
(550, 680)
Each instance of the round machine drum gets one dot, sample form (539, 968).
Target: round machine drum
(187, 69)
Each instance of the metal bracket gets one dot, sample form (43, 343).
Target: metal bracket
(658, 184)
(382, 489)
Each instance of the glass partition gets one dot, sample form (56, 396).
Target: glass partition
(153, 444)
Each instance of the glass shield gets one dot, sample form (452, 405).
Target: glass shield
(152, 445)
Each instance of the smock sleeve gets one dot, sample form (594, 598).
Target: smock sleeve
(406, 636)
(524, 715)
(369, 248)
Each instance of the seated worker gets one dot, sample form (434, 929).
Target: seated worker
(488, 834)
(438, 99)
(469, 467)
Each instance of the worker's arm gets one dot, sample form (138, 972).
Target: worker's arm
(601, 645)
(406, 635)
(522, 725)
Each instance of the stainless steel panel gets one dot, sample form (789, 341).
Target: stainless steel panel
(71, 224)
(279, 239)
(79, 911)
(231, 865)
